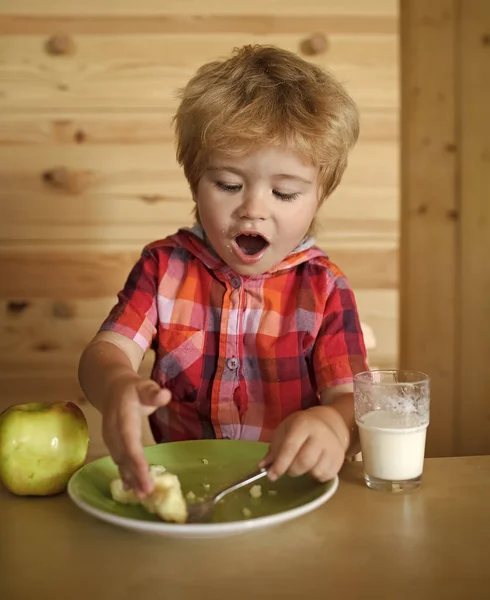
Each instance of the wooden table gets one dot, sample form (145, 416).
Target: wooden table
(431, 544)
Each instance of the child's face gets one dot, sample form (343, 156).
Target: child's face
(255, 209)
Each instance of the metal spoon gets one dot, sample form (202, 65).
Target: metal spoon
(202, 511)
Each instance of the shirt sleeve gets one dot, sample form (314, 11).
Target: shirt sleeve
(135, 314)
(339, 352)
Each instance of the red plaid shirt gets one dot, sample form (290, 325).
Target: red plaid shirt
(239, 354)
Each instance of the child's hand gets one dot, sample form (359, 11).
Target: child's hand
(130, 400)
(309, 441)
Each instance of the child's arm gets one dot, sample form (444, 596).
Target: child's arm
(341, 398)
(108, 376)
(315, 440)
(109, 356)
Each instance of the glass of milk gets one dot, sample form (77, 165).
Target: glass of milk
(392, 412)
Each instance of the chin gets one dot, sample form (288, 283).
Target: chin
(249, 270)
(257, 269)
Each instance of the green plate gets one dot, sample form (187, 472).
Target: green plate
(204, 467)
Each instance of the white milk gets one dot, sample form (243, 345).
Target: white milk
(393, 445)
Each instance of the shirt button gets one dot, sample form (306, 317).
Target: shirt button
(232, 363)
(236, 282)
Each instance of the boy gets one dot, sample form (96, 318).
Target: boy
(255, 331)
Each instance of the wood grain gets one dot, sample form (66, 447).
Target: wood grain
(155, 218)
(131, 71)
(93, 272)
(429, 205)
(46, 336)
(138, 127)
(152, 168)
(118, 24)
(473, 413)
(195, 8)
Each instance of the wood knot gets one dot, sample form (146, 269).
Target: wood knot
(60, 44)
(452, 214)
(57, 177)
(15, 307)
(422, 209)
(152, 198)
(315, 44)
(46, 346)
(65, 179)
(63, 310)
(485, 39)
(450, 147)
(80, 136)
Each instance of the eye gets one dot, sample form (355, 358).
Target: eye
(228, 188)
(286, 197)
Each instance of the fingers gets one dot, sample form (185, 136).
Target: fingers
(282, 453)
(327, 467)
(133, 466)
(268, 459)
(151, 395)
(136, 477)
(306, 459)
(300, 446)
(146, 397)
(122, 434)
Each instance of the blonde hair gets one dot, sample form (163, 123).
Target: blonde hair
(266, 96)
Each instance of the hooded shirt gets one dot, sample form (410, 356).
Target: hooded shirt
(238, 353)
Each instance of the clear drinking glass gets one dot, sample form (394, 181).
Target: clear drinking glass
(392, 412)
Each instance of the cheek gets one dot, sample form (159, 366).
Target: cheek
(302, 216)
(212, 218)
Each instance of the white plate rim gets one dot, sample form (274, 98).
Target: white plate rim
(203, 530)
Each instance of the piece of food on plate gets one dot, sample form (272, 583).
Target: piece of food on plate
(256, 491)
(119, 494)
(166, 500)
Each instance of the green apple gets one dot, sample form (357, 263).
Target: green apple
(41, 445)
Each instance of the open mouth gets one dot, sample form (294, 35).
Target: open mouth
(251, 244)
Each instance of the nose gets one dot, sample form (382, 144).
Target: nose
(253, 207)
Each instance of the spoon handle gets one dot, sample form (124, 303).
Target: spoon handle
(245, 481)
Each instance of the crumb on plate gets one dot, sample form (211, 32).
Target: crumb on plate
(247, 513)
(256, 491)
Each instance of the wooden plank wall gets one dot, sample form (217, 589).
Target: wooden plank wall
(88, 173)
(445, 286)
